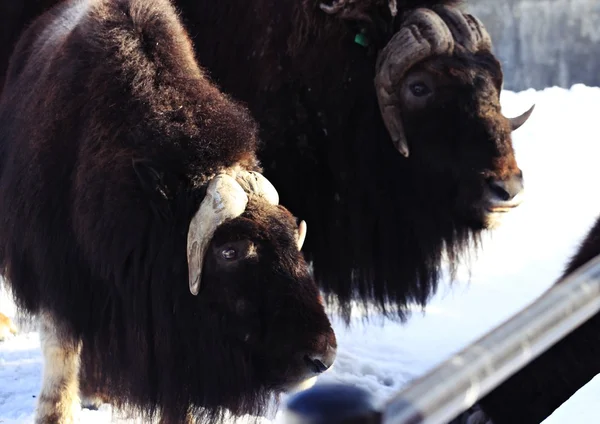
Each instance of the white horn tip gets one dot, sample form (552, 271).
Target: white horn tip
(302, 228)
(194, 285)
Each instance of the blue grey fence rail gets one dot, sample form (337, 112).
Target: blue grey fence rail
(459, 382)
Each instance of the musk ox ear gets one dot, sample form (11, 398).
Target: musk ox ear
(150, 178)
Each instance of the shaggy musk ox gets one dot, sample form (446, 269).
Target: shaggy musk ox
(381, 126)
(538, 389)
(135, 222)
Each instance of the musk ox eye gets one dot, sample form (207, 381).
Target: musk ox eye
(229, 254)
(419, 89)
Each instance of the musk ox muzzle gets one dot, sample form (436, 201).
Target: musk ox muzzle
(425, 33)
(226, 198)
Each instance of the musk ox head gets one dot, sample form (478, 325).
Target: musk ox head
(437, 85)
(244, 318)
(438, 88)
(244, 257)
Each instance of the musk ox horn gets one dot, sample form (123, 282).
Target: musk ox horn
(516, 122)
(253, 182)
(467, 31)
(423, 34)
(224, 199)
(301, 234)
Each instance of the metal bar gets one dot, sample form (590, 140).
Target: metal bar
(459, 382)
(455, 385)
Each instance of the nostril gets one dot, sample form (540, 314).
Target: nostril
(506, 190)
(499, 189)
(315, 365)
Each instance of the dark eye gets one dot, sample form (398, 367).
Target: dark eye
(419, 89)
(229, 253)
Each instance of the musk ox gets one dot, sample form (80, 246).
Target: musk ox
(381, 125)
(537, 390)
(136, 223)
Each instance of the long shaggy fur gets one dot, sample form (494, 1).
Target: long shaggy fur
(380, 223)
(94, 89)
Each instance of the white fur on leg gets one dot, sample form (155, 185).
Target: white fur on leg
(59, 397)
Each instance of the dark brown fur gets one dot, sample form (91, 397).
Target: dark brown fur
(109, 132)
(380, 223)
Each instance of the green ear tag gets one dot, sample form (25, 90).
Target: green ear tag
(361, 40)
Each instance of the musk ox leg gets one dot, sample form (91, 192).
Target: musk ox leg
(60, 384)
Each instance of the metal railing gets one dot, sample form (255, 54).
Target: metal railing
(459, 382)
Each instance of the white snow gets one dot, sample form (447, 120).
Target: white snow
(558, 150)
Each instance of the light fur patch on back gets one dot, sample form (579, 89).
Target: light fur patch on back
(59, 398)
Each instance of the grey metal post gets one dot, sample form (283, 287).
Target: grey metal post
(467, 376)
(458, 383)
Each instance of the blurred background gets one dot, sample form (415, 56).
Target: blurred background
(543, 43)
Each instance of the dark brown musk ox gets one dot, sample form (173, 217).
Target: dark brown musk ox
(533, 393)
(135, 222)
(381, 126)
(396, 152)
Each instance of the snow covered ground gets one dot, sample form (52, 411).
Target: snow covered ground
(558, 150)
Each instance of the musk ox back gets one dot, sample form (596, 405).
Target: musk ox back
(136, 223)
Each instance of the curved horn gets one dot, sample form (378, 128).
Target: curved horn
(423, 34)
(467, 31)
(224, 199)
(517, 121)
(301, 234)
(253, 182)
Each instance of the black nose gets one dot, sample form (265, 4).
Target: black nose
(320, 363)
(506, 190)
